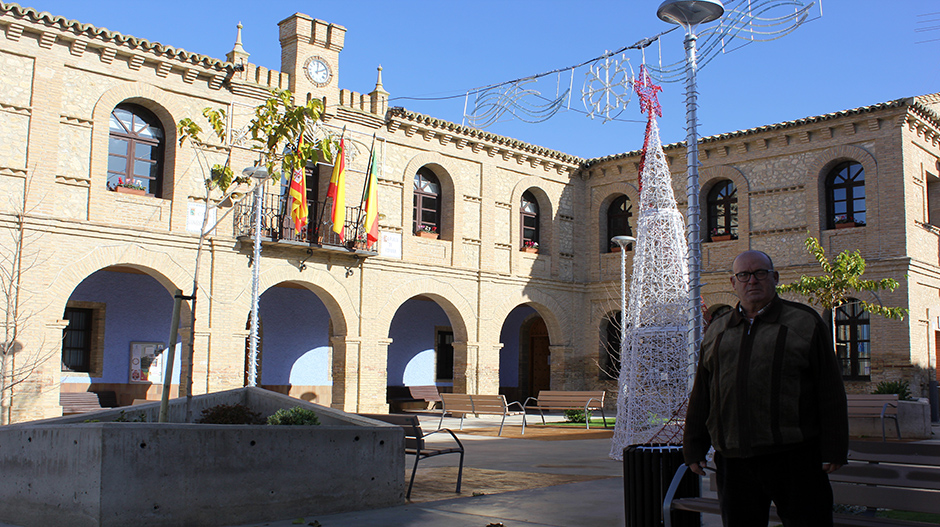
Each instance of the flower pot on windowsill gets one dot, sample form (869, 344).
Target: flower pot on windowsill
(721, 238)
(534, 250)
(847, 225)
(128, 190)
(615, 249)
(426, 234)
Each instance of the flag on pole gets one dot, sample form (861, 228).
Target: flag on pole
(372, 203)
(337, 190)
(298, 195)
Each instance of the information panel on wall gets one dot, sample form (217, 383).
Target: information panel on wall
(147, 362)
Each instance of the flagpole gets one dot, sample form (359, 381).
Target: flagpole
(365, 187)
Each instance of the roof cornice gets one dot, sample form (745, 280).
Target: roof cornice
(413, 122)
(78, 29)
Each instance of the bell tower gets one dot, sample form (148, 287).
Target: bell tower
(310, 54)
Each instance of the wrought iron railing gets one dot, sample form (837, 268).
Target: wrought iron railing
(277, 225)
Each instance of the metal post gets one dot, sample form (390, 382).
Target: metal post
(260, 175)
(694, 211)
(255, 278)
(689, 14)
(622, 241)
(170, 357)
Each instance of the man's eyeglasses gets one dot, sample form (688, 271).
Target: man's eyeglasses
(745, 276)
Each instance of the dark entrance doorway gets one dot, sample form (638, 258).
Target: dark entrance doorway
(539, 358)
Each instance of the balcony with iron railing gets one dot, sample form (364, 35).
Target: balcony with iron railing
(278, 227)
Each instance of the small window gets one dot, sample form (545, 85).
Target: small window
(618, 222)
(845, 195)
(135, 150)
(853, 340)
(723, 212)
(427, 202)
(445, 355)
(529, 220)
(76, 340)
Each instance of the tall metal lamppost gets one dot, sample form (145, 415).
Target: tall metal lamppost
(689, 14)
(622, 241)
(260, 175)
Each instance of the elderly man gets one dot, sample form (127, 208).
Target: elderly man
(768, 395)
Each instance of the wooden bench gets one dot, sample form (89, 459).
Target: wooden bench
(476, 404)
(398, 395)
(585, 401)
(896, 476)
(872, 405)
(416, 445)
(81, 402)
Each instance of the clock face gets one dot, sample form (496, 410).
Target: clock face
(318, 71)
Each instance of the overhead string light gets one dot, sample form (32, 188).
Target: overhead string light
(607, 86)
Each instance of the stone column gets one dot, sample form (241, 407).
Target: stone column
(476, 368)
(346, 353)
(562, 368)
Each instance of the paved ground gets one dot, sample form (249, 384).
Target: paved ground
(597, 501)
(588, 503)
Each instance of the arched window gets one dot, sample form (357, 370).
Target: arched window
(427, 209)
(853, 340)
(135, 150)
(529, 220)
(618, 221)
(845, 195)
(610, 347)
(723, 212)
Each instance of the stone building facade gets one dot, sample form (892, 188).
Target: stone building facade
(471, 310)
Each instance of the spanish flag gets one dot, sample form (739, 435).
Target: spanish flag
(298, 195)
(337, 190)
(372, 203)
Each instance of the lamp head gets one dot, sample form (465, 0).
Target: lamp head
(259, 173)
(622, 241)
(690, 13)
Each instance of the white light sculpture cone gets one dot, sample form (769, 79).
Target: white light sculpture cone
(654, 350)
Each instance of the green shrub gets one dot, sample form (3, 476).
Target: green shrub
(139, 418)
(902, 388)
(576, 416)
(293, 416)
(235, 414)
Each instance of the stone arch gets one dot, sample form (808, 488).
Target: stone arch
(546, 213)
(437, 164)
(559, 331)
(161, 266)
(158, 101)
(815, 179)
(335, 297)
(457, 308)
(603, 202)
(713, 175)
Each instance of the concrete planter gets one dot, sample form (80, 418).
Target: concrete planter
(913, 418)
(67, 472)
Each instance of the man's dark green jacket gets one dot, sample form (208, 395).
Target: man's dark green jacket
(767, 387)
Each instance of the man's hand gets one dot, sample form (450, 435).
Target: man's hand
(698, 468)
(829, 468)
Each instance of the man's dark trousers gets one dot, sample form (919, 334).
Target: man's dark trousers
(793, 480)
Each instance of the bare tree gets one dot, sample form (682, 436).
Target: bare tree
(19, 254)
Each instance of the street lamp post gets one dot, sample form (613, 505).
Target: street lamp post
(622, 241)
(260, 175)
(689, 14)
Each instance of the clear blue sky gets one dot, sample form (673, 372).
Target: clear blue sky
(859, 52)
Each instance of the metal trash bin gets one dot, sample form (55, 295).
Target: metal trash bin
(647, 473)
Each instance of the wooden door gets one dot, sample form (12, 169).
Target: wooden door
(539, 358)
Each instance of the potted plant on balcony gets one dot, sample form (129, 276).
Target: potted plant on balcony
(720, 235)
(846, 222)
(129, 186)
(530, 246)
(427, 231)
